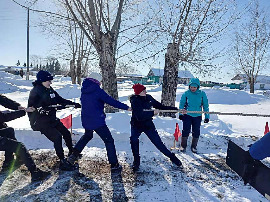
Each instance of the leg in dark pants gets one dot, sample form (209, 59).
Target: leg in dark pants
(187, 121)
(10, 134)
(88, 135)
(66, 135)
(152, 134)
(19, 149)
(56, 137)
(134, 142)
(196, 126)
(107, 138)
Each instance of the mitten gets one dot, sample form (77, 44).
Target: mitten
(206, 120)
(181, 117)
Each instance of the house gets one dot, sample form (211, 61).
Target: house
(156, 75)
(262, 82)
(135, 78)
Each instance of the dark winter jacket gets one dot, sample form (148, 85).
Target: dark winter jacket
(143, 119)
(261, 149)
(93, 99)
(7, 103)
(9, 116)
(42, 99)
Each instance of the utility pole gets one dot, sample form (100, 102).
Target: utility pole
(27, 72)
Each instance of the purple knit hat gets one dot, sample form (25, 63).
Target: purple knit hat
(93, 80)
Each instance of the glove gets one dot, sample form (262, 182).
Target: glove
(181, 117)
(206, 120)
(77, 105)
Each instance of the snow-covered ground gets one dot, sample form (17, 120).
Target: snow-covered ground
(206, 176)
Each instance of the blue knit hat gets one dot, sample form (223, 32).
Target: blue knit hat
(194, 85)
(43, 76)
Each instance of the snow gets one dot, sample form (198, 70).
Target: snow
(206, 176)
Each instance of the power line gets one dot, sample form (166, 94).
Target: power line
(39, 11)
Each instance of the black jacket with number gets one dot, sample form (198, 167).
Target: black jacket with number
(42, 99)
(7, 103)
(144, 119)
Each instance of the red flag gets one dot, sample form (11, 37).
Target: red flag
(67, 121)
(266, 130)
(177, 132)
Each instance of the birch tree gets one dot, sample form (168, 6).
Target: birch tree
(102, 32)
(191, 27)
(71, 44)
(251, 48)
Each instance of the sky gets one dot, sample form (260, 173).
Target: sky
(13, 35)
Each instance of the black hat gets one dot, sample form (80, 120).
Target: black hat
(43, 76)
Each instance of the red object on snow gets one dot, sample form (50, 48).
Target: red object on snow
(266, 130)
(67, 121)
(177, 132)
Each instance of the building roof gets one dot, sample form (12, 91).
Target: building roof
(260, 78)
(181, 73)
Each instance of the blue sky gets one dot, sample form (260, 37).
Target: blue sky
(13, 21)
(13, 32)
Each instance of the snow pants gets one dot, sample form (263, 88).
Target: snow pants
(105, 134)
(10, 145)
(55, 135)
(189, 121)
(152, 134)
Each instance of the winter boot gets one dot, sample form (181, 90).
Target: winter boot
(183, 144)
(72, 159)
(136, 164)
(116, 168)
(39, 175)
(176, 161)
(194, 145)
(65, 165)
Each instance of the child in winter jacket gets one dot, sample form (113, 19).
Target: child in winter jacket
(142, 121)
(93, 99)
(44, 98)
(193, 100)
(9, 143)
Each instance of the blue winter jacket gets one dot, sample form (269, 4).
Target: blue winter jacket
(261, 149)
(93, 99)
(194, 101)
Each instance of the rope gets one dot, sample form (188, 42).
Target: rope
(218, 113)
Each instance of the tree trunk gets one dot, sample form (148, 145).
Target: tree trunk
(170, 77)
(251, 85)
(107, 65)
(72, 71)
(79, 71)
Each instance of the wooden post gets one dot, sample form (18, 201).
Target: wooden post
(174, 145)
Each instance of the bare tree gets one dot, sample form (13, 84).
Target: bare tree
(190, 28)
(71, 43)
(251, 48)
(93, 18)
